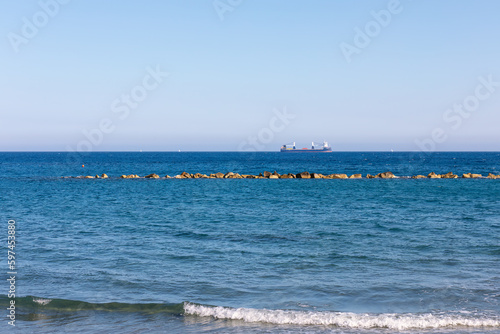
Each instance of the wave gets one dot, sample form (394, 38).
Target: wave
(393, 321)
(31, 303)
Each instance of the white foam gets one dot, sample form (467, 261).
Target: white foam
(342, 319)
(42, 301)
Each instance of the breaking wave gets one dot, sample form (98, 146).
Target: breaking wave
(391, 321)
(394, 321)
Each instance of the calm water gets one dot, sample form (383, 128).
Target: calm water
(243, 255)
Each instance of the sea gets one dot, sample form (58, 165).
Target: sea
(165, 255)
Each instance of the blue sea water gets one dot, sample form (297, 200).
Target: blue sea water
(252, 255)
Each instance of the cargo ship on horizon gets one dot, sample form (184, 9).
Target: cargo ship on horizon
(314, 148)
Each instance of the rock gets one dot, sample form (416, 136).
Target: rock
(369, 176)
(317, 176)
(229, 175)
(449, 175)
(303, 175)
(292, 176)
(419, 177)
(471, 176)
(356, 176)
(123, 176)
(97, 177)
(267, 174)
(168, 177)
(89, 177)
(386, 175)
(219, 175)
(338, 176)
(276, 174)
(178, 177)
(285, 176)
(493, 176)
(152, 176)
(197, 176)
(433, 175)
(104, 176)
(248, 176)
(185, 175)
(272, 176)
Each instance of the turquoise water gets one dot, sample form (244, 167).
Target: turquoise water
(253, 255)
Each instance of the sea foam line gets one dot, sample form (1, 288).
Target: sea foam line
(341, 319)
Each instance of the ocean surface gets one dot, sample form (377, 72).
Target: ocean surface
(251, 255)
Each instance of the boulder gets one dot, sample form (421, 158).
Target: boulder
(386, 175)
(467, 175)
(356, 176)
(433, 175)
(229, 175)
(276, 174)
(285, 176)
(104, 176)
(493, 176)
(152, 176)
(476, 176)
(449, 175)
(419, 177)
(186, 175)
(303, 175)
(272, 176)
(267, 174)
(89, 177)
(123, 177)
(168, 177)
(369, 176)
(338, 176)
(291, 176)
(197, 176)
(317, 176)
(219, 175)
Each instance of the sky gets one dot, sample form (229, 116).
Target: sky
(249, 75)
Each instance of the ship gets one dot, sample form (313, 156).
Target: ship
(314, 148)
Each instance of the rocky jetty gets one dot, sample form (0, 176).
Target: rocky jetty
(302, 175)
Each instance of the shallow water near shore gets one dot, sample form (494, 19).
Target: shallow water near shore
(253, 255)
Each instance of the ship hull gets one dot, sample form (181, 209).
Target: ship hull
(323, 150)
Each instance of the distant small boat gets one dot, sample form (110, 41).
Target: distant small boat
(314, 148)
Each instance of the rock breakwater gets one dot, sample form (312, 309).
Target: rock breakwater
(302, 175)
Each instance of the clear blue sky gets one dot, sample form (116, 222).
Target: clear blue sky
(232, 65)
